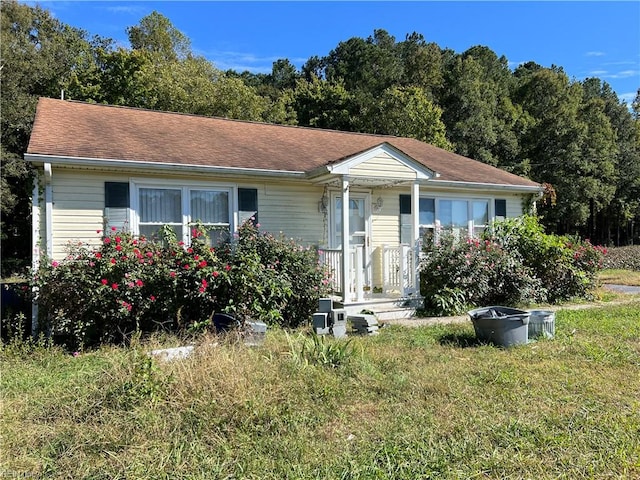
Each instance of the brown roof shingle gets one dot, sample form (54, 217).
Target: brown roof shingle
(77, 129)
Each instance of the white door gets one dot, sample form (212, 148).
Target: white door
(359, 232)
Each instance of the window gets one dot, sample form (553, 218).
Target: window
(182, 207)
(158, 207)
(427, 219)
(210, 208)
(455, 215)
(480, 216)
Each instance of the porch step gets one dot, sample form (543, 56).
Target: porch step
(385, 308)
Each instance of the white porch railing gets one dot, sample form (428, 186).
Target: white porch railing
(332, 258)
(398, 273)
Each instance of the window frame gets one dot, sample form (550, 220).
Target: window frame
(185, 188)
(471, 226)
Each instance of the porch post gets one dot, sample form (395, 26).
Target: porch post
(35, 245)
(346, 268)
(415, 234)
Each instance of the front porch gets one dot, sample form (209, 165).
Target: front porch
(386, 282)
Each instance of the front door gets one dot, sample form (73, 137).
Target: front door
(359, 232)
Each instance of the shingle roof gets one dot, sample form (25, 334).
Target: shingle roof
(77, 129)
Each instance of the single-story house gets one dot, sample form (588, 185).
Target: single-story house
(100, 166)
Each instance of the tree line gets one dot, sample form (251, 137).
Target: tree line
(576, 137)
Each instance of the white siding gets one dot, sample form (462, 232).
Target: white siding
(78, 206)
(514, 205)
(385, 225)
(381, 166)
(290, 207)
(385, 229)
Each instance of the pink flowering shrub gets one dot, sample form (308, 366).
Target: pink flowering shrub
(129, 284)
(514, 263)
(457, 275)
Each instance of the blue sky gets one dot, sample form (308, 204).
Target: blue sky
(588, 39)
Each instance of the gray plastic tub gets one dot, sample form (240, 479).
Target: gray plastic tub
(542, 323)
(502, 326)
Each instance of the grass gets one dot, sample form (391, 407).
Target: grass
(427, 402)
(619, 277)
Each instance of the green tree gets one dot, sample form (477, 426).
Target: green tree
(422, 64)
(322, 104)
(116, 76)
(614, 224)
(554, 144)
(38, 54)
(283, 74)
(370, 65)
(478, 112)
(156, 34)
(407, 112)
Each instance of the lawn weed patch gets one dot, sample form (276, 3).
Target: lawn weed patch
(424, 402)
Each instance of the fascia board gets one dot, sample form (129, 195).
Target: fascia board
(484, 186)
(156, 166)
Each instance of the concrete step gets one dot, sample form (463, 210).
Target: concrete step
(386, 309)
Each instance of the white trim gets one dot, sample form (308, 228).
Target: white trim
(48, 218)
(344, 167)
(35, 246)
(431, 180)
(485, 186)
(415, 233)
(35, 224)
(162, 166)
(346, 268)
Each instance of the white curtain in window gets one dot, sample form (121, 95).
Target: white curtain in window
(209, 206)
(160, 205)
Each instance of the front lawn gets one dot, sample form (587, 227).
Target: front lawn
(425, 402)
(619, 277)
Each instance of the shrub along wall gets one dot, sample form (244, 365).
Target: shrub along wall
(129, 284)
(514, 263)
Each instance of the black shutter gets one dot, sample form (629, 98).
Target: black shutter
(500, 207)
(116, 194)
(248, 204)
(116, 205)
(405, 204)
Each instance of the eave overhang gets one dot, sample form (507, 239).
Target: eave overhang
(110, 163)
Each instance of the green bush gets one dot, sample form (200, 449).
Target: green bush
(567, 266)
(456, 275)
(128, 284)
(274, 278)
(514, 262)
